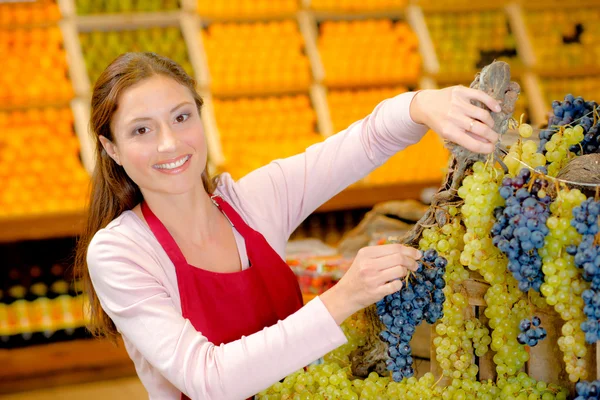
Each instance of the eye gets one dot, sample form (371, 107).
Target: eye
(141, 131)
(182, 118)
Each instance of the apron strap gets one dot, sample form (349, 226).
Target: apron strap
(232, 215)
(163, 236)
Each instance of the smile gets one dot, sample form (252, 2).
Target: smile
(174, 164)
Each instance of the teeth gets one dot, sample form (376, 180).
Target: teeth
(173, 165)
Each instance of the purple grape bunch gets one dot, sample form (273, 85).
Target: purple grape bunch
(520, 227)
(572, 109)
(587, 257)
(531, 332)
(421, 298)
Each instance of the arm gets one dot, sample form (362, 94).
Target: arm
(289, 190)
(145, 314)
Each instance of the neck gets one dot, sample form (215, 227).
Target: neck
(191, 217)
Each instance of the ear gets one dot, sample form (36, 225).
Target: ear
(110, 148)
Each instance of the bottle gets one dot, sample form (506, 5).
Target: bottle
(39, 286)
(58, 285)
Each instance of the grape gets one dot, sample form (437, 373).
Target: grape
(587, 257)
(480, 192)
(531, 332)
(563, 281)
(525, 130)
(568, 111)
(526, 152)
(420, 298)
(520, 227)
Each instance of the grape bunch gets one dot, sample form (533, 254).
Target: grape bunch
(558, 151)
(525, 151)
(566, 112)
(421, 298)
(563, 281)
(481, 197)
(520, 227)
(591, 140)
(587, 257)
(531, 332)
(587, 390)
(448, 240)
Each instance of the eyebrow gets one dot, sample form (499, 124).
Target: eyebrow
(170, 112)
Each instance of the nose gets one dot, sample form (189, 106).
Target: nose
(167, 140)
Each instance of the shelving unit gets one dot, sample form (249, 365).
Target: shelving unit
(62, 363)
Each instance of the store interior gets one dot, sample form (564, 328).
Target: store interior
(293, 72)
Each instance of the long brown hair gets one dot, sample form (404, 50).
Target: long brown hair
(112, 191)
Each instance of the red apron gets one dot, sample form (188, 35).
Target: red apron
(226, 306)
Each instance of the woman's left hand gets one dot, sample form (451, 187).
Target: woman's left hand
(450, 113)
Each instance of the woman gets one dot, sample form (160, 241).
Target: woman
(189, 270)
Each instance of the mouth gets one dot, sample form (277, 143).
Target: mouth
(178, 162)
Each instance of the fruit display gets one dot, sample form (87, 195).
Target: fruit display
(256, 57)
(458, 4)
(357, 5)
(513, 253)
(408, 167)
(107, 6)
(316, 274)
(466, 41)
(100, 48)
(36, 71)
(347, 106)
(556, 88)
(29, 13)
(364, 53)
(256, 131)
(40, 167)
(565, 39)
(235, 9)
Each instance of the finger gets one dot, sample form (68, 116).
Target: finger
(481, 131)
(479, 114)
(465, 140)
(391, 287)
(396, 259)
(490, 102)
(390, 274)
(387, 249)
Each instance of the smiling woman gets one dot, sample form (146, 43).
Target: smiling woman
(189, 270)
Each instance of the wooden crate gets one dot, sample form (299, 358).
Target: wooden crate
(545, 360)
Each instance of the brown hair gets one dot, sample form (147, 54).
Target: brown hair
(112, 191)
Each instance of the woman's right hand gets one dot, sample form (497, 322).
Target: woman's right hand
(374, 274)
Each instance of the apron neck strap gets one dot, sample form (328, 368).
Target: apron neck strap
(232, 215)
(162, 235)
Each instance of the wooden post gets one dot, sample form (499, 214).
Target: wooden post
(211, 130)
(308, 29)
(318, 95)
(77, 68)
(537, 103)
(190, 29)
(416, 20)
(81, 118)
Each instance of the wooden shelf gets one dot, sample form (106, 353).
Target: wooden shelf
(207, 20)
(278, 91)
(62, 363)
(564, 73)
(126, 21)
(365, 196)
(394, 14)
(474, 6)
(45, 226)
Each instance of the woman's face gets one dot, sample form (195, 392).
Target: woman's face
(158, 136)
